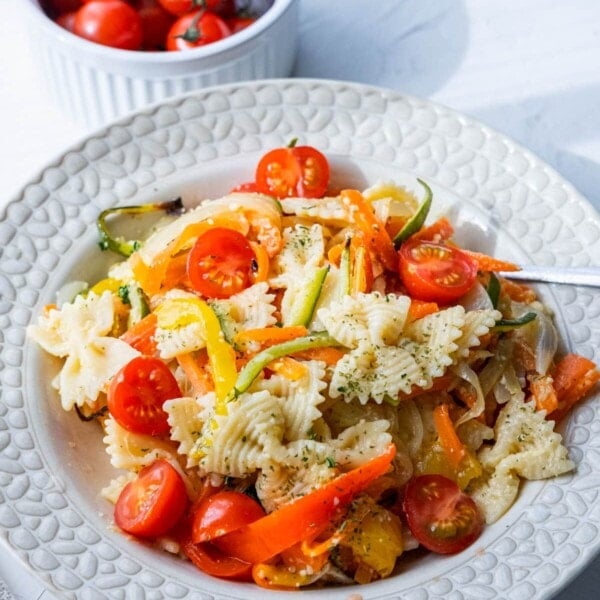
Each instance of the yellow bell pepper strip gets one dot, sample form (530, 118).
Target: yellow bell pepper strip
(302, 518)
(416, 222)
(119, 244)
(303, 309)
(253, 367)
(280, 577)
(177, 312)
(376, 235)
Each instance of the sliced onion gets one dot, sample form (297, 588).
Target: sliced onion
(540, 335)
(69, 291)
(465, 372)
(476, 298)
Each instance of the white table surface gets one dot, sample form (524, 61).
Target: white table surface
(528, 68)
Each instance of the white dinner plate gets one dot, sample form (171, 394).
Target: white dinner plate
(503, 199)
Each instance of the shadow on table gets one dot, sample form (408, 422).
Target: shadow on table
(411, 46)
(549, 124)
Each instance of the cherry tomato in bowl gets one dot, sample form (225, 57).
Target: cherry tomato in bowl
(153, 503)
(179, 8)
(300, 171)
(435, 272)
(441, 517)
(221, 263)
(196, 29)
(137, 393)
(110, 23)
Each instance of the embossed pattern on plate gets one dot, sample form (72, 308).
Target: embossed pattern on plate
(58, 529)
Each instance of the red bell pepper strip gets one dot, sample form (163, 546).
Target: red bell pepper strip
(302, 518)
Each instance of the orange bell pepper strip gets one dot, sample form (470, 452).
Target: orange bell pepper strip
(193, 367)
(439, 231)
(141, 335)
(302, 518)
(375, 233)
(574, 377)
(261, 273)
(420, 308)
(488, 263)
(452, 446)
(268, 336)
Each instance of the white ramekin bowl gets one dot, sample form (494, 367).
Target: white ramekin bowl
(94, 84)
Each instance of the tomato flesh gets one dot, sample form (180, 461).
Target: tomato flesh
(435, 272)
(111, 23)
(221, 263)
(440, 516)
(222, 513)
(153, 503)
(300, 171)
(196, 29)
(137, 393)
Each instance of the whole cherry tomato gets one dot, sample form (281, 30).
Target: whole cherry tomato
(179, 8)
(196, 29)
(221, 263)
(67, 20)
(293, 171)
(435, 272)
(239, 22)
(55, 8)
(440, 516)
(156, 22)
(223, 512)
(137, 393)
(110, 23)
(153, 503)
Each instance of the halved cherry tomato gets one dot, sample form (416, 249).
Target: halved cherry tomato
(211, 560)
(223, 512)
(153, 503)
(293, 171)
(137, 393)
(435, 272)
(111, 23)
(221, 263)
(196, 29)
(440, 516)
(182, 7)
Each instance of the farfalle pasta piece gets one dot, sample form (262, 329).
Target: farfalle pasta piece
(305, 466)
(373, 318)
(134, 451)
(251, 309)
(236, 443)
(80, 332)
(362, 442)
(303, 250)
(375, 372)
(185, 420)
(526, 447)
(299, 399)
(477, 324)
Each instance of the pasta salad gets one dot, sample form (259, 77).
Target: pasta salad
(298, 385)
